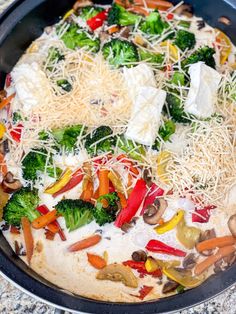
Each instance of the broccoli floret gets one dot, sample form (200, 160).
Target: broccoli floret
(120, 52)
(36, 162)
(104, 145)
(22, 204)
(133, 150)
(151, 56)
(165, 133)
(176, 109)
(118, 15)
(65, 85)
(184, 39)
(167, 130)
(204, 54)
(89, 11)
(153, 24)
(77, 213)
(76, 37)
(54, 56)
(67, 137)
(17, 117)
(105, 215)
(178, 78)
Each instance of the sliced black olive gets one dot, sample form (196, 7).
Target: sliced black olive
(4, 147)
(139, 256)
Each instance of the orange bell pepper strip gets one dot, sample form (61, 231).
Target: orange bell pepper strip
(6, 101)
(123, 200)
(103, 185)
(96, 261)
(45, 220)
(60, 183)
(87, 193)
(28, 237)
(85, 243)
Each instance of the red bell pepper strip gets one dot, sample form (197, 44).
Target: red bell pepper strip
(202, 215)
(42, 209)
(134, 201)
(16, 132)
(111, 187)
(97, 20)
(160, 247)
(143, 292)
(140, 267)
(153, 193)
(76, 178)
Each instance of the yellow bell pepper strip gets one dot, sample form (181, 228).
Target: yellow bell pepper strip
(167, 264)
(68, 13)
(60, 183)
(115, 179)
(162, 162)
(183, 279)
(153, 264)
(2, 130)
(186, 235)
(170, 224)
(224, 45)
(171, 49)
(160, 247)
(75, 179)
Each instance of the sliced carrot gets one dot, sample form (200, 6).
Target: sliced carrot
(85, 243)
(96, 261)
(103, 185)
(206, 263)
(134, 170)
(96, 194)
(154, 4)
(138, 10)
(6, 101)
(45, 220)
(215, 242)
(113, 29)
(28, 237)
(54, 228)
(87, 193)
(123, 200)
(3, 166)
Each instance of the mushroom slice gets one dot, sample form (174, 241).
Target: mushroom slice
(118, 272)
(9, 184)
(153, 213)
(189, 261)
(169, 286)
(232, 225)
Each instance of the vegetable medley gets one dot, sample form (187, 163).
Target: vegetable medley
(117, 130)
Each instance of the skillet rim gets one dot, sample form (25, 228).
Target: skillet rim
(12, 267)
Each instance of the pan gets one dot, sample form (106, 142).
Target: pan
(22, 23)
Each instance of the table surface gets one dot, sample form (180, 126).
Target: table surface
(13, 300)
